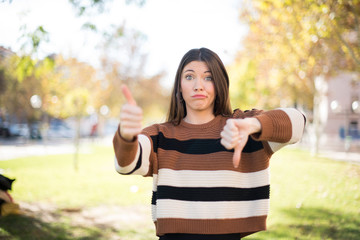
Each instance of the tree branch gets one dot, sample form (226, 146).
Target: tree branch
(342, 40)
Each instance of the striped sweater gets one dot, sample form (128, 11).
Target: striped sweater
(196, 189)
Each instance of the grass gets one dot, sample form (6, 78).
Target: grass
(311, 198)
(53, 179)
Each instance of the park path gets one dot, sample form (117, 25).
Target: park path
(109, 218)
(16, 148)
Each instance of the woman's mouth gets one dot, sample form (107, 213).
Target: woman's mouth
(200, 96)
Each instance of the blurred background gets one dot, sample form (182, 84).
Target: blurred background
(62, 64)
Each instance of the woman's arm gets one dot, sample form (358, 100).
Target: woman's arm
(279, 127)
(131, 149)
(132, 157)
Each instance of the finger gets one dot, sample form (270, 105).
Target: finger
(130, 117)
(128, 95)
(127, 124)
(230, 125)
(131, 108)
(230, 141)
(237, 156)
(226, 144)
(238, 150)
(129, 134)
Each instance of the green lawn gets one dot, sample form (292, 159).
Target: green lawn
(311, 198)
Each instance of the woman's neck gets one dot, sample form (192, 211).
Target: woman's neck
(199, 118)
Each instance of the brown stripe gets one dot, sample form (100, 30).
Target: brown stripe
(207, 226)
(276, 127)
(250, 162)
(181, 133)
(125, 151)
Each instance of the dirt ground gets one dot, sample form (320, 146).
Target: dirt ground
(101, 217)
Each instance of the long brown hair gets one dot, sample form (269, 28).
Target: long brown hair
(177, 110)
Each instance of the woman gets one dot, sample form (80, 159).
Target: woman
(211, 180)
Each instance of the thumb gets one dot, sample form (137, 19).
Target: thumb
(237, 155)
(129, 98)
(240, 146)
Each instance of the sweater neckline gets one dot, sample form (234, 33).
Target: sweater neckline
(209, 124)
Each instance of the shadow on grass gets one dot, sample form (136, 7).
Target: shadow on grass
(25, 228)
(315, 223)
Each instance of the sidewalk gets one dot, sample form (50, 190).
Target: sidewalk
(10, 149)
(336, 150)
(341, 156)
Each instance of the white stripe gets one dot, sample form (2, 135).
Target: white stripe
(155, 182)
(153, 212)
(275, 146)
(153, 207)
(218, 178)
(297, 123)
(129, 167)
(211, 210)
(145, 162)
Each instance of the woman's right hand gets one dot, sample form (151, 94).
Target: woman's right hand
(130, 117)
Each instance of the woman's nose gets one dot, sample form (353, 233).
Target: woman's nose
(198, 85)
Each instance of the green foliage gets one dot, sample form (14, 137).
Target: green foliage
(2, 80)
(293, 42)
(24, 67)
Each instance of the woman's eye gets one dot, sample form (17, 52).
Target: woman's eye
(209, 78)
(188, 77)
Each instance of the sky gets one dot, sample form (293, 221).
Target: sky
(171, 27)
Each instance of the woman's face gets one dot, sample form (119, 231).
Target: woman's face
(197, 88)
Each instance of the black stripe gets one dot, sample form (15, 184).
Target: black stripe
(199, 146)
(213, 194)
(138, 164)
(153, 198)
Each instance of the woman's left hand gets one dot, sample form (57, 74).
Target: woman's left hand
(236, 133)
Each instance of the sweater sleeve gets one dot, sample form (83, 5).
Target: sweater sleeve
(280, 127)
(131, 157)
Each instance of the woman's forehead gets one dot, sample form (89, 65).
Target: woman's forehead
(196, 66)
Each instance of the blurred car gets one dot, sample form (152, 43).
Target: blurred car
(59, 129)
(4, 130)
(19, 129)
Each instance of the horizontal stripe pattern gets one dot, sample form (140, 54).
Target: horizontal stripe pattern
(198, 146)
(217, 178)
(196, 189)
(297, 126)
(168, 208)
(250, 162)
(128, 168)
(140, 165)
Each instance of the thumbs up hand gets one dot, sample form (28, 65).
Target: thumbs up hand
(130, 117)
(236, 133)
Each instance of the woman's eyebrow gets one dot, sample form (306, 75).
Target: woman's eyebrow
(190, 70)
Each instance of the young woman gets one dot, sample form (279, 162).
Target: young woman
(210, 165)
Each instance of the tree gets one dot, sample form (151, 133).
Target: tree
(295, 42)
(123, 62)
(22, 77)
